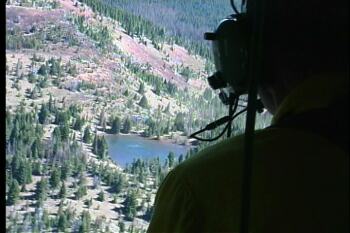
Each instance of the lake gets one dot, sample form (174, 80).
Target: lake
(124, 148)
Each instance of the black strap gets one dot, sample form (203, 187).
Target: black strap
(331, 123)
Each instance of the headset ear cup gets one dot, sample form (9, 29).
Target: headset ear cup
(230, 48)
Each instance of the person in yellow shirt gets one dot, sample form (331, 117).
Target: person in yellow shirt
(300, 179)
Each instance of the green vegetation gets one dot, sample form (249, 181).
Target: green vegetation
(100, 147)
(13, 193)
(130, 204)
(144, 102)
(87, 138)
(126, 125)
(116, 125)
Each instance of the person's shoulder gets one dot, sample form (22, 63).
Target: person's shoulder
(232, 147)
(228, 152)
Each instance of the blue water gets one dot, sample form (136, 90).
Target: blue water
(123, 149)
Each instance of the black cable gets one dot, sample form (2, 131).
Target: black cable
(211, 139)
(234, 7)
(216, 124)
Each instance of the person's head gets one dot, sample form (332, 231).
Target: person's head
(302, 38)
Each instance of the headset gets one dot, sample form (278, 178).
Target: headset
(231, 46)
(237, 50)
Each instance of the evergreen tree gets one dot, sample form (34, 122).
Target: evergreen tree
(94, 144)
(141, 88)
(41, 191)
(43, 114)
(126, 125)
(46, 219)
(28, 172)
(82, 191)
(102, 120)
(63, 192)
(115, 125)
(43, 70)
(79, 122)
(102, 148)
(65, 171)
(171, 159)
(20, 173)
(62, 222)
(158, 88)
(55, 178)
(85, 222)
(121, 226)
(37, 149)
(101, 196)
(179, 123)
(51, 104)
(87, 135)
(62, 117)
(144, 102)
(13, 194)
(37, 168)
(130, 205)
(64, 129)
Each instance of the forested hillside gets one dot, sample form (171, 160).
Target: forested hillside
(182, 22)
(188, 19)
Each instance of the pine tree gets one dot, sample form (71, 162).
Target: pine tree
(64, 129)
(121, 226)
(95, 144)
(85, 222)
(144, 102)
(55, 178)
(102, 148)
(23, 189)
(158, 88)
(62, 222)
(43, 114)
(46, 219)
(130, 205)
(41, 191)
(141, 88)
(102, 120)
(65, 171)
(20, 174)
(13, 194)
(82, 190)
(63, 192)
(87, 135)
(101, 196)
(171, 159)
(115, 125)
(28, 172)
(126, 125)
(179, 122)
(43, 70)
(51, 104)
(37, 168)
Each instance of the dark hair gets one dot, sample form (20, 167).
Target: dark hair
(305, 36)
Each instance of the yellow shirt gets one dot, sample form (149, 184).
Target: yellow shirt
(300, 180)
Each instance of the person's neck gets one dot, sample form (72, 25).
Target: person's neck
(273, 96)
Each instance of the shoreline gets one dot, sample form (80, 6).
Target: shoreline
(179, 140)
